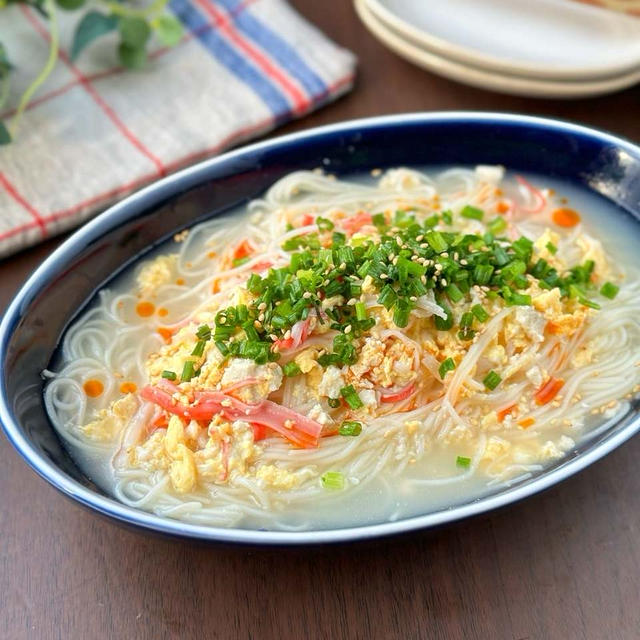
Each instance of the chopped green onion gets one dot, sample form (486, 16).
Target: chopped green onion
(431, 221)
(454, 293)
(447, 216)
(350, 428)
(198, 350)
(351, 397)
(436, 241)
(466, 320)
(496, 226)
(361, 311)
(332, 480)
(387, 297)
(291, 369)
(472, 213)
(522, 248)
(324, 224)
(379, 220)
(238, 261)
(222, 347)
(204, 332)
(187, 371)
(443, 324)
(462, 461)
(334, 403)
(551, 248)
(480, 312)
(492, 380)
(482, 273)
(401, 313)
(446, 366)
(609, 290)
(169, 375)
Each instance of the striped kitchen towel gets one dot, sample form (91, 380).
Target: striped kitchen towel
(95, 132)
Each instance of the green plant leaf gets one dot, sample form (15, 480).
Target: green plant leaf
(134, 32)
(92, 26)
(5, 65)
(70, 5)
(5, 137)
(132, 57)
(169, 30)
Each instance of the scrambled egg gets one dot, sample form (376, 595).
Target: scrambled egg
(385, 364)
(268, 378)
(566, 317)
(273, 476)
(228, 450)
(542, 251)
(331, 383)
(156, 273)
(111, 421)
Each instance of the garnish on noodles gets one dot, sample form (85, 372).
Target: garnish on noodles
(432, 328)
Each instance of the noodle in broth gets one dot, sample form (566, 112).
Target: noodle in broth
(460, 385)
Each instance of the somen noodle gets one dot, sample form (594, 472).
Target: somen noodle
(418, 334)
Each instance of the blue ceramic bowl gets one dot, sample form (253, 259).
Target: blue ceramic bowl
(598, 162)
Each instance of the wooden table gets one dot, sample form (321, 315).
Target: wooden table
(565, 564)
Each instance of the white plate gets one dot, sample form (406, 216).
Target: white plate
(483, 79)
(552, 39)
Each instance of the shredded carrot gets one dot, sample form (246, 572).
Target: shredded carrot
(215, 288)
(526, 422)
(243, 250)
(552, 327)
(502, 207)
(307, 219)
(548, 391)
(161, 421)
(564, 217)
(165, 333)
(163, 312)
(503, 413)
(145, 309)
(180, 281)
(93, 388)
(128, 387)
(211, 254)
(498, 192)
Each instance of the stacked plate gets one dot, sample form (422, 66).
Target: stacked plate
(542, 48)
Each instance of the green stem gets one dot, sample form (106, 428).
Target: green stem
(45, 71)
(119, 10)
(4, 89)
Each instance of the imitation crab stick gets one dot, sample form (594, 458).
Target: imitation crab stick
(299, 333)
(400, 394)
(355, 223)
(539, 201)
(291, 425)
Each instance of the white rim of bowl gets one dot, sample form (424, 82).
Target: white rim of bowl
(482, 79)
(465, 55)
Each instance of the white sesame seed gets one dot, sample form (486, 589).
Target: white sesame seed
(307, 295)
(383, 276)
(347, 329)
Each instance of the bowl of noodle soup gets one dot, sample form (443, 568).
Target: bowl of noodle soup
(360, 330)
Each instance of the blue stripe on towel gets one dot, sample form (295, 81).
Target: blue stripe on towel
(230, 58)
(279, 50)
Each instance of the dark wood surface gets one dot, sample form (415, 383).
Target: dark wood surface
(565, 564)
